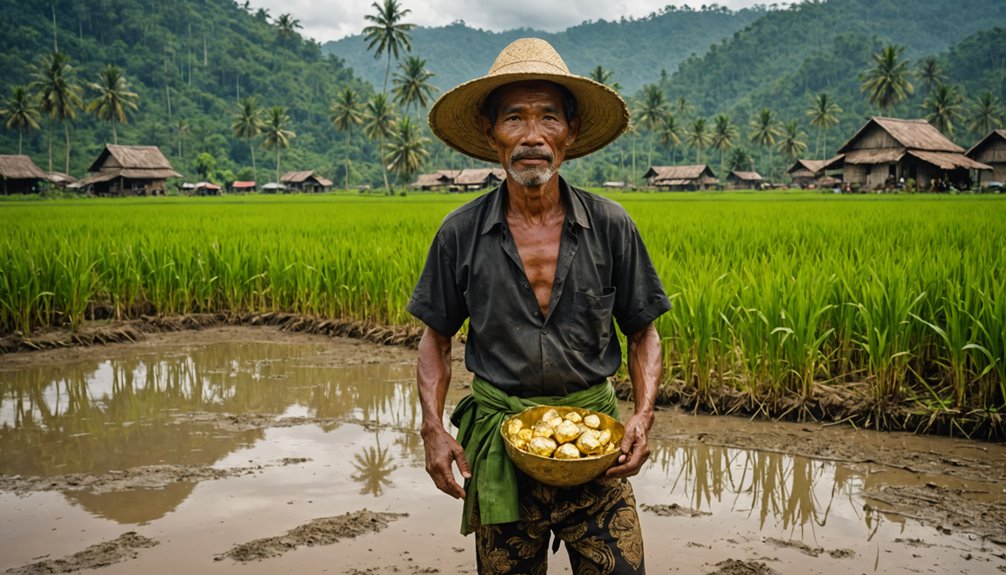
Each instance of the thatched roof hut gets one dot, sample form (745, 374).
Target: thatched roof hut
(479, 178)
(806, 173)
(128, 171)
(680, 178)
(305, 181)
(991, 150)
(19, 175)
(741, 180)
(435, 180)
(886, 150)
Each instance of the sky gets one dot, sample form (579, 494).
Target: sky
(325, 20)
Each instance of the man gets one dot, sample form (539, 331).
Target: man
(541, 271)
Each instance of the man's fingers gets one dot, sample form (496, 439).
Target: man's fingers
(462, 461)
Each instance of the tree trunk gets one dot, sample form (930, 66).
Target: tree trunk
(251, 148)
(115, 134)
(277, 163)
(66, 132)
(384, 167)
(349, 136)
(20, 137)
(50, 145)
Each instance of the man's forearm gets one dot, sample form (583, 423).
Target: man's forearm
(433, 375)
(646, 365)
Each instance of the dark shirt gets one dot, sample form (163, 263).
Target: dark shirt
(603, 273)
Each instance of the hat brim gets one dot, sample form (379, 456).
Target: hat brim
(455, 117)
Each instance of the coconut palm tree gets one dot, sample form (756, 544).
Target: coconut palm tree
(344, 113)
(287, 27)
(412, 84)
(740, 160)
(378, 124)
(650, 113)
(277, 132)
(764, 130)
(21, 112)
(791, 143)
(388, 34)
(823, 113)
(114, 98)
(931, 73)
(669, 133)
(986, 114)
(247, 124)
(698, 137)
(887, 82)
(54, 80)
(723, 135)
(407, 150)
(943, 108)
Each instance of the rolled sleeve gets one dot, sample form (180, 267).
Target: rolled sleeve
(641, 297)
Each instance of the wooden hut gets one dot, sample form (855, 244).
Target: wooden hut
(886, 151)
(739, 180)
(991, 150)
(244, 186)
(20, 175)
(439, 180)
(680, 178)
(128, 171)
(305, 181)
(479, 178)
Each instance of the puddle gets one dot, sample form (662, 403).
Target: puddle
(206, 444)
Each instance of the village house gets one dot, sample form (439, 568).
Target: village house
(812, 173)
(441, 179)
(680, 178)
(740, 180)
(991, 150)
(478, 178)
(887, 151)
(128, 171)
(305, 181)
(20, 175)
(243, 186)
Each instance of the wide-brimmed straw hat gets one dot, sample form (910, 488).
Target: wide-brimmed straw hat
(455, 115)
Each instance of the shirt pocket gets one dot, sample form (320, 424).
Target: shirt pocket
(590, 328)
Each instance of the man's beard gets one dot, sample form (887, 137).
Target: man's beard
(533, 176)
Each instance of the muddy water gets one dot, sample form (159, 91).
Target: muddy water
(204, 443)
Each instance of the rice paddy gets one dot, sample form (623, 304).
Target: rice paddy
(785, 303)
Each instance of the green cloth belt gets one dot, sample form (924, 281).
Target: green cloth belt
(494, 478)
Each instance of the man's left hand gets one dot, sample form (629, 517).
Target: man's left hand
(635, 449)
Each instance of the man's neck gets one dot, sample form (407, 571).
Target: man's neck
(534, 204)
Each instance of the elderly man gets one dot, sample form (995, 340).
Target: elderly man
(542, 271)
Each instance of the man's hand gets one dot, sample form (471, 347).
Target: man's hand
(645, 370)
(442, 451)
(635, 449)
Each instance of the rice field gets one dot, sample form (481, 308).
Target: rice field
(781, 301)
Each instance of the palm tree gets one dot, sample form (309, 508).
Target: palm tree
(931, 72)
(287, 26)
(764, 129)
(698, 137)
(986, 114)
(21, 112)
(723, 136)
(650, 113)
(412, 84)
(887, 82)
(379, 121)
(54, 80)
(740, 160)
(943, 107)
(823, 113)
(791, 142)
(669, 133)
(600, 75)
(113, 99)
(388, 34)
(277, 134)
(345, 113)
(682, 107)
(248, 124)
(181, 130)
(407, 150)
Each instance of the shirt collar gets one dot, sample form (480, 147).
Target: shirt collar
(576, 210)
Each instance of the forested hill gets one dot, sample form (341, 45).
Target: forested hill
(635, 50)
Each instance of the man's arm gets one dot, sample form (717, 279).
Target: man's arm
(645, 369)
(433, 374)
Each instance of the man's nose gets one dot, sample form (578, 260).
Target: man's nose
(533, 134)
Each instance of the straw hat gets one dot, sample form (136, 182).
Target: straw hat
(455, 115)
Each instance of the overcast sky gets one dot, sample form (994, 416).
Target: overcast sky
(326, 20)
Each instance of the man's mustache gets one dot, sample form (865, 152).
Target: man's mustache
(530, 154)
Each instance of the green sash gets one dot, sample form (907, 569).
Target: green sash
(494, 478)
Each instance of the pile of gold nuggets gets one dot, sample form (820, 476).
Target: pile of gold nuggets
(569, 436)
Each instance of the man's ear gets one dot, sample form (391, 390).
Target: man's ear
(574, 131)
(487, 129)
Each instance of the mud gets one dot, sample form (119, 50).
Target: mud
(736, 567)
(103, 554)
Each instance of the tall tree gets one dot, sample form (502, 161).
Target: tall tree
(823, 112)
(407, 150)
(378, 124)
(55, 82)
(650, 113)
(21, 113)
(698, 137)
(985, 115)
(887, 81)
(943, 108)
(764, 130)
(277, 132)
(602, 76)
(791, 143)
(412, 84)
(247, 123)
(287, 27)
(181, 130)
(388, 34)
(723, 136)
(669, 134)
(114, 98)
(931, 72)
(346, 112)
(740, 160)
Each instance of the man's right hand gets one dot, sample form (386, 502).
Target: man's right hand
(442, 451)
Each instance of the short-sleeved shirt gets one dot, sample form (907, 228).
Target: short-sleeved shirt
(603, 275)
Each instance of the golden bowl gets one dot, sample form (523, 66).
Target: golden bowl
(562, 472)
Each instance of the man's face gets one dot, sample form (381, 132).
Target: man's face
(531, 132)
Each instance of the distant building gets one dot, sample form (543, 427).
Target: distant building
(272, 188)
(740, 180)
(807, 173)
(20, 175)
(887, 150)
(207, 189)
(128, 171)
(479, 178)
(441, 179)
(244, 186)
(991, 150)
(680, 178)
(305, 182)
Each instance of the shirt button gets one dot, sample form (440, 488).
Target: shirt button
(544, 330)
(525, 285)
